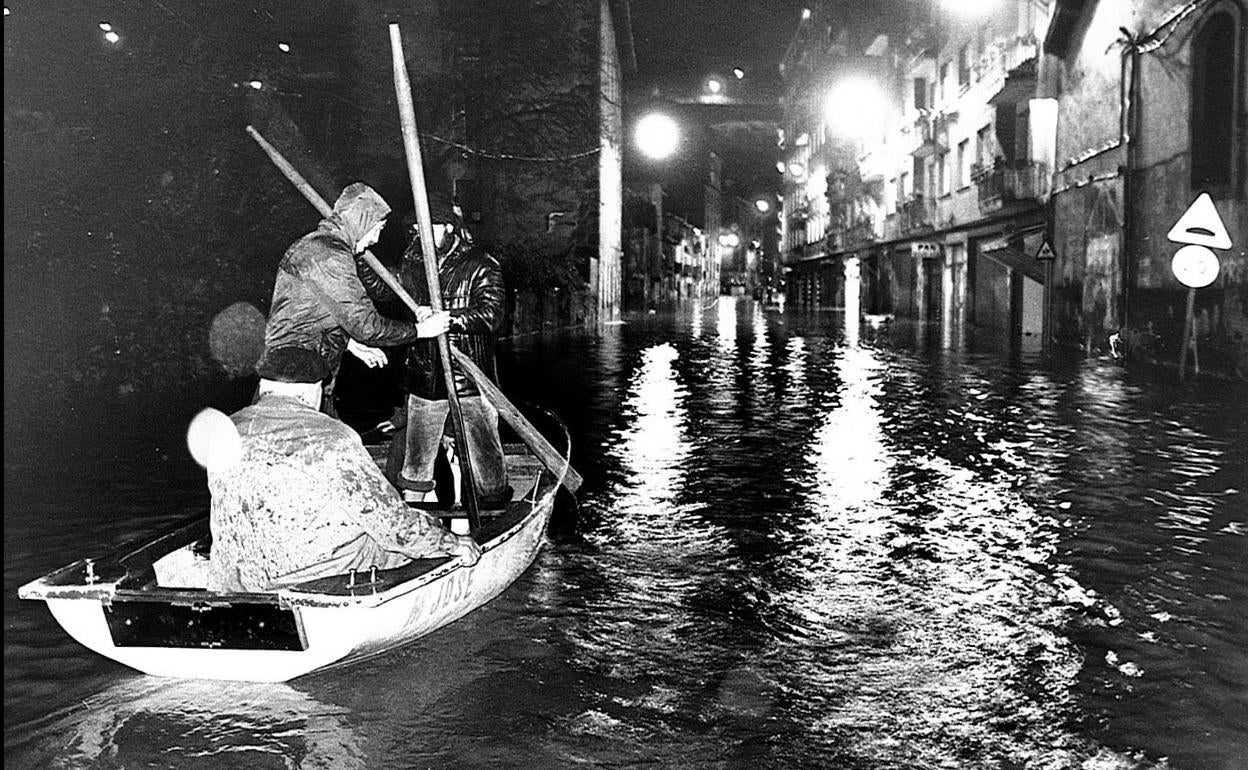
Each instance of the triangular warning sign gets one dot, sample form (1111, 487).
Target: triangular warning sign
(1045, 252)
(1200, 225)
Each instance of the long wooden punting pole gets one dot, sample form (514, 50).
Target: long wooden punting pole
(535, 441)
(416, 173)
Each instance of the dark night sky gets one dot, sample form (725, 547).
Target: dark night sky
(679, 42)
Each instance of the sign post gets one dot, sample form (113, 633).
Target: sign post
(1046, 255)
(1195, 265)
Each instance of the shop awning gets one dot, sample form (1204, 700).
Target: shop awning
(1016, 260)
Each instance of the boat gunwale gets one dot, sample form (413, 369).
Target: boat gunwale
(187, 531)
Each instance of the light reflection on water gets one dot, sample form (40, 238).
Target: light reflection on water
(153, 722)
(796, 548)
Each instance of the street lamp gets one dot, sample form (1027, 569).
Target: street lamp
(657, 135)
(854, 108)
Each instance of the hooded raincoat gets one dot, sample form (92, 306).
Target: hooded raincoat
(318, 300)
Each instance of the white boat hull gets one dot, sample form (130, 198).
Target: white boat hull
(309, 627)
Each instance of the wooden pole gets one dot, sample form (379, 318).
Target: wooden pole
(541, 448)
(534, 440)
(1189, 323)
(416, 173)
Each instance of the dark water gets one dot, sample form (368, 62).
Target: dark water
(793, 550)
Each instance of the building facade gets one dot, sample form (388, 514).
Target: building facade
(665, 265)
(921, 164)
(1151, 113)
(984, 132)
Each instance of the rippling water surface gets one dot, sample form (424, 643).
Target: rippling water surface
(798, 545)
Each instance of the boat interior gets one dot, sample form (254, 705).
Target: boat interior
(175, 565)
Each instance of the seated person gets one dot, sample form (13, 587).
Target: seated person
(305, 499)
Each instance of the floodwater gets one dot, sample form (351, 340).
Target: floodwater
(799, 545)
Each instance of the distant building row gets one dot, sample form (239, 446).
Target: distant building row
(932, 148)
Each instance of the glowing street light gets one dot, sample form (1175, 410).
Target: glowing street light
(854, 108)
(714, 86)
(763, 205)
(729, 240)
(657, 135)
(738, 73)
(283, 47)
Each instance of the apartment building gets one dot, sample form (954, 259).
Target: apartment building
(977, 132)
(930, 165)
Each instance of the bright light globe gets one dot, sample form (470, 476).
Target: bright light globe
(657, 135)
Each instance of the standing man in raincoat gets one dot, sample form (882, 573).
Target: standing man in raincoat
(319, 303)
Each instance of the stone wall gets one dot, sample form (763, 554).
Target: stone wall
(1110, 232)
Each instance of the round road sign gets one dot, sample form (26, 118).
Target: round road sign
(1195, 266)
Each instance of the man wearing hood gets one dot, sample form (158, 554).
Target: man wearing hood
(319, 303)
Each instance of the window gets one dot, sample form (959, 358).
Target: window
(920, 93)
(944, 78)
(1214, 73)
(964, 65)
(964, 163)
(986, 150)
(942, 174)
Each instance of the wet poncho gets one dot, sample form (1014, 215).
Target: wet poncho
(305, 501)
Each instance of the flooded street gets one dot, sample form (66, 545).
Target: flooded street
(799, 545)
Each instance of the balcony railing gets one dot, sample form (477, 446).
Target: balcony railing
(917, 214)
(861, 230)
(1017, 182)
(843, 237)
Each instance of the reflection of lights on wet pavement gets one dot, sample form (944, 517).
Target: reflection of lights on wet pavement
(653, 447)
(726, 322)
(133, 724)
(923, 575)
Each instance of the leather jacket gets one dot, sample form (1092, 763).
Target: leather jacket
(473, 293)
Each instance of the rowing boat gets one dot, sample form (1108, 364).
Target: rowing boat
(136, 607)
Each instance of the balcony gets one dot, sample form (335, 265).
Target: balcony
(1006, 183)
(860, 231)
(917, 214)
(931, 140)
